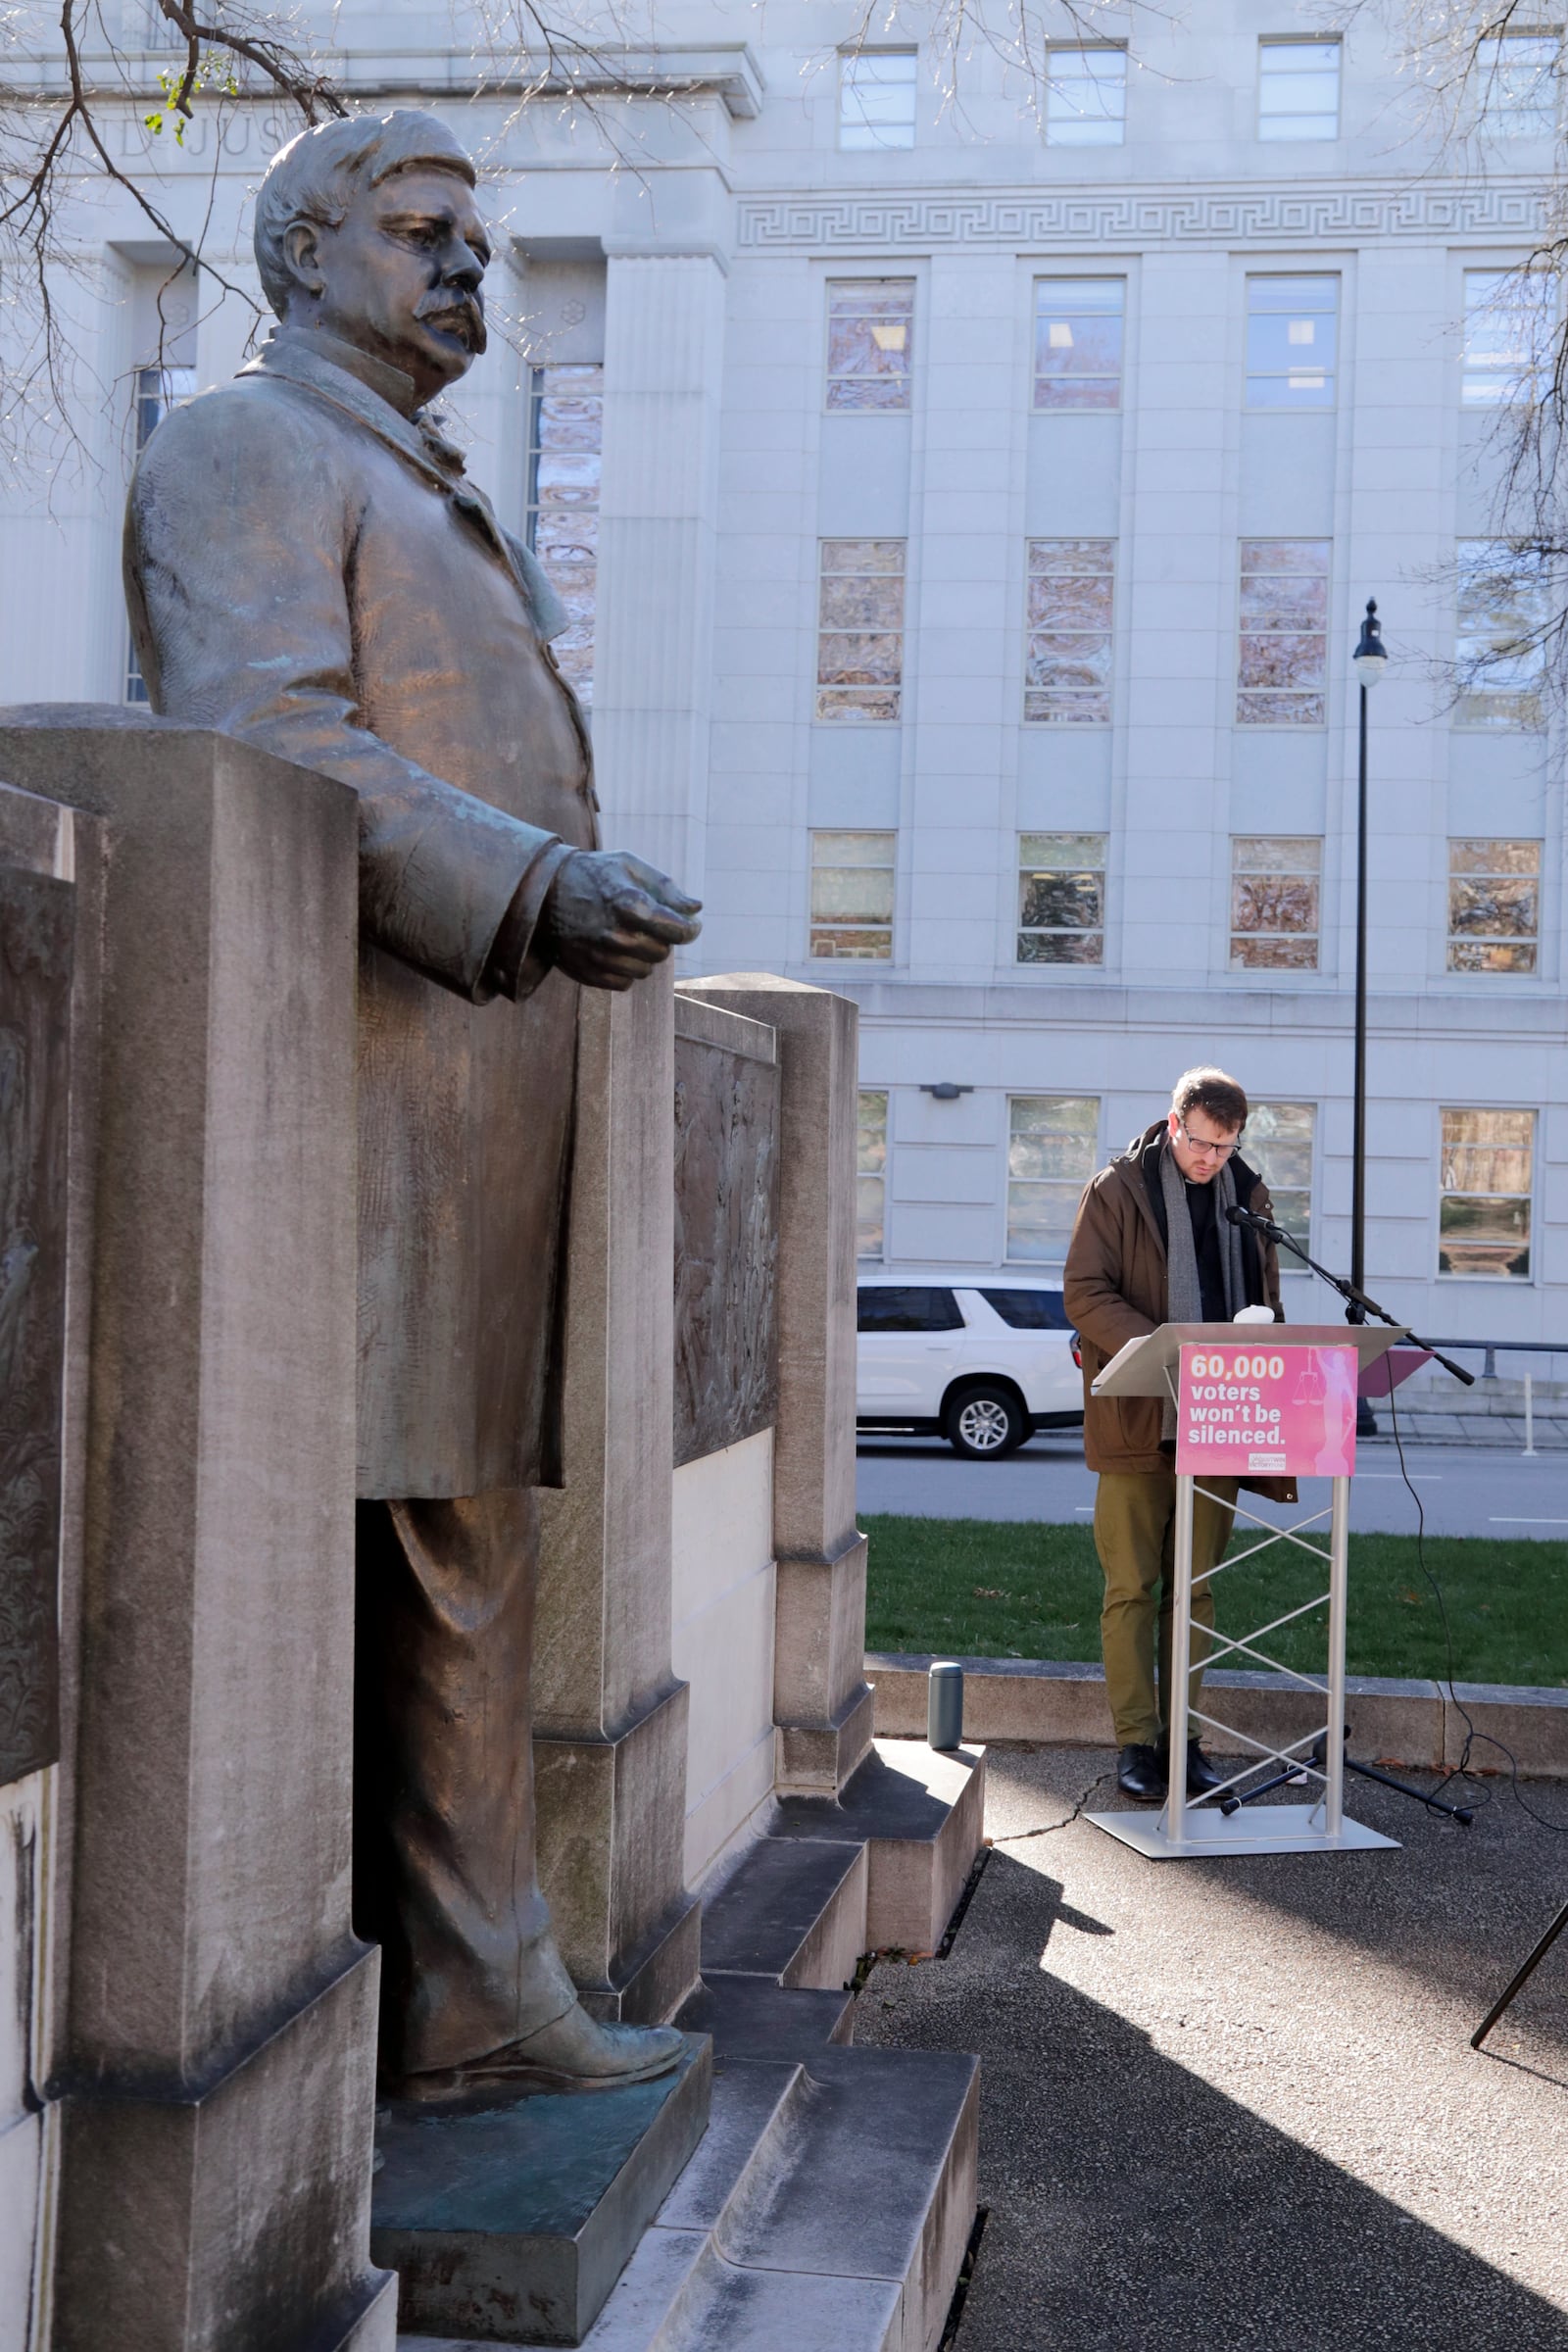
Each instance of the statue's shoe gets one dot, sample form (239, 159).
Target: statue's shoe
(576, 2052)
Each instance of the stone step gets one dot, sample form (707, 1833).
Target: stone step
(921, 1815)
(751, 2017)
(794, 1913)
(827, 2211)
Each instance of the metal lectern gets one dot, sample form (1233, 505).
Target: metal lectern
(1187, 1829)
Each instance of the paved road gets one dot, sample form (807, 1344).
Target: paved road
(1465, 1491)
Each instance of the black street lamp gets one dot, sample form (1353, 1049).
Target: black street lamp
(1369, 662)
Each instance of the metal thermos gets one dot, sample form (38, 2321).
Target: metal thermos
(944, 1714)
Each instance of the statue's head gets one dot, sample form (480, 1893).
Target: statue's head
(367, 227)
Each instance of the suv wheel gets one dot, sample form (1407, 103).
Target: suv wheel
(985, 1420)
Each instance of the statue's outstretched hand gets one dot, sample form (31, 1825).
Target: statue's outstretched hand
(607, 918)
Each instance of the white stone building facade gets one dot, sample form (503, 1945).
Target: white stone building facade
(969, 506)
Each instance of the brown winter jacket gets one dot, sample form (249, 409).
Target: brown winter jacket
(1115, 1290)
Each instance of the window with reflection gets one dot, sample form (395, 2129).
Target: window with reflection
(860, 636)
(1503, 615)
(871, 1171)
(1516, 84)
(1283, 668)
(1299, 90)
(852, 895)
(1086, 97)
(1486, 1179)
(1494, 906)
(1051, 1149)
(1278, 1143)
(566, 444)
(156, 391)
(1292, 333)
(1078, 342)
(1061, 897)
(870, 334)
(1509, 326)
(1067, 647)
(1275, 887)
(876, 99)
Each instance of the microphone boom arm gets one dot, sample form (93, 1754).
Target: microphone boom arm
(1352, 1297)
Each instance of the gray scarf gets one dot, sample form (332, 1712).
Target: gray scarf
(1184, 1298)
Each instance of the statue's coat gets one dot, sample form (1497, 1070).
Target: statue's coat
(309, 571)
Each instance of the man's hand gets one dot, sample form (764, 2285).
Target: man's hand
(607, 918)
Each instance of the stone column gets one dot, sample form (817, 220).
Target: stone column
(217, 2065)
(609, 1716)
(659, 501)
(822, 1699)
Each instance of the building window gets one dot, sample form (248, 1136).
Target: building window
(1078, 338)
(1050, 1157)
(1299, 90)
(1517, 80)
(870, 326)
(876, 99)
(1503, 616)
(1274, 903)
(1494, 906)
(1061, 897)
(1509, 317)
(1284, 633)
(156, 391)
(1067, 656)
(859, 633)
(566, 440)
(1086, 97)
(1278, 1143)
(852, 895)
(1291, 329)
(1484, 1207)
(871, 1172)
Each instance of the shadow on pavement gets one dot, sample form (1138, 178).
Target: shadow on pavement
(1134, 2207)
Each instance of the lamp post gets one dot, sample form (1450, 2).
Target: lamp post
(1369, 662)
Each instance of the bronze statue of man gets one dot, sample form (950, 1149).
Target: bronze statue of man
(309, 568)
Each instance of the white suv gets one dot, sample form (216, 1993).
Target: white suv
(983, 1360)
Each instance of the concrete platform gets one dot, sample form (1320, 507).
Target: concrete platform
(1415, 1723)
(510, 2224)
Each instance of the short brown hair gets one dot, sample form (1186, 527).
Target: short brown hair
(1211, 1091)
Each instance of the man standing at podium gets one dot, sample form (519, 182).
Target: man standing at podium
(1152, 1245)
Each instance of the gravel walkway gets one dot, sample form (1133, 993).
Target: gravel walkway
(1232, 2107)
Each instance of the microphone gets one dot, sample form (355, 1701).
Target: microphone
(1264, 1225)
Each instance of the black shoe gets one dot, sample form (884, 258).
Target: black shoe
(1202, 1773)
(1141, 1773)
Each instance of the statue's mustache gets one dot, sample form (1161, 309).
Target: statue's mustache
(454, 303)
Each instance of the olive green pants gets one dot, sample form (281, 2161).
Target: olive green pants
(1135, 1536)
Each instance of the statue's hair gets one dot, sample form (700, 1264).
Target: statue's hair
(318, 175)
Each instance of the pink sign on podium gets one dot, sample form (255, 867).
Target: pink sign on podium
(1255, 1410)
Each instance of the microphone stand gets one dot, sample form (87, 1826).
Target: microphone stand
(1357, 1308)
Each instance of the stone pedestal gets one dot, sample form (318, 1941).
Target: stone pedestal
(609, 1716)
(219, 2048)
(511, 2225)
(821, 1700)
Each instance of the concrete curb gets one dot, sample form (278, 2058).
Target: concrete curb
(1414, 1724)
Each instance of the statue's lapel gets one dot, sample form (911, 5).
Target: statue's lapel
(292, 359)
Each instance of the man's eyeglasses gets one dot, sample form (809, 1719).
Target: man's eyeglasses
(1200, 1143)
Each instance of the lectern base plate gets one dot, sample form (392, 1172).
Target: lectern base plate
(1209, 1834)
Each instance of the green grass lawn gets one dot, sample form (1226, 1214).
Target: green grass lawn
(1018, 1589)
